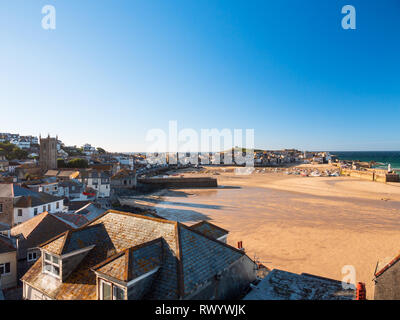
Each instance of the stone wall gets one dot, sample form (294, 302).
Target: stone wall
(7, 214)
(387, 285)
(371, 175)
(205, 182)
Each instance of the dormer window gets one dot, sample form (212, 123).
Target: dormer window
(109, 291)
(51, 265)
(32, 256)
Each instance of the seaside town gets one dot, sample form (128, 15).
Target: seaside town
(81, 223)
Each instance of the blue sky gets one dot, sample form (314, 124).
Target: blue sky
(112, 70)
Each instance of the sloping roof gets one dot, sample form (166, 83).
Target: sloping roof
(24, 197)
(90, 211)
(189, 258)
(6, 245)
(382, 267)
(35, 199)
(4, 227)
(51, 173)
(76, 205)
(283, 285)
(37, 230)
(209, 229)
(74, 220)
(123, 173)
(133, 262)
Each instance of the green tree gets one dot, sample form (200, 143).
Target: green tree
(77, 163)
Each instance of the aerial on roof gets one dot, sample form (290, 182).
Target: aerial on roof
(124, 245)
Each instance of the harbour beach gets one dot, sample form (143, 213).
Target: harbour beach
(300, 224)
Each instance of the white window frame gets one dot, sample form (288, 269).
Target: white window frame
(32, 253)
(4, 266)
(53, 264)
(113, 289)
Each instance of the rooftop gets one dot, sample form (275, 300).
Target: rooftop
(283, 285)
(209, 229)
(6, 245)
(125, 246)
(37, 230)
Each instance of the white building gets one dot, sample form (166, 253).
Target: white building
(97, 180)
(28, 204)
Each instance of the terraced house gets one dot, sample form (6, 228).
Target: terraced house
(19, 204)
(121, 256)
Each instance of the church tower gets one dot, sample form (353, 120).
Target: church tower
(48, 153)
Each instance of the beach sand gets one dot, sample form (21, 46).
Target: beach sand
(313, 225)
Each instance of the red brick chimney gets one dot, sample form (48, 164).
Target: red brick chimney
(361, 293)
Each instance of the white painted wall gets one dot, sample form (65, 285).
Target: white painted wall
(29, 213)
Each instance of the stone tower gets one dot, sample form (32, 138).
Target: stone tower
(48, 153)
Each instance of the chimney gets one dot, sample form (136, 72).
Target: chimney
(361, 293)
(240, 245)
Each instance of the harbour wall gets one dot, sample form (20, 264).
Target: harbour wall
(371, 175)
(178, 183)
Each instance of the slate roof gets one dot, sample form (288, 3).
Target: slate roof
(133, 262)
(72, 219)
(35, 199)
(124, 173)
(283, 285)
(90, 211)
(188, 259)
(24, 197)
(209, 229)
(383, 267)
(6, 245)
(37, 230)
(4, 227)
(62, 173)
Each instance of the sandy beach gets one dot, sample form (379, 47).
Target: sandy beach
(300, 224)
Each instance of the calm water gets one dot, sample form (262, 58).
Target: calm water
(383, 157)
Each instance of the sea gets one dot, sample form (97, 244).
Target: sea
(382, 158)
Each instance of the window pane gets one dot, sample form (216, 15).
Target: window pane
(8, 268)
(55, 260)
(47, 257)
(1, 268)
(56, 270)
(47, 267)
(106, 291)
(118, 293)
